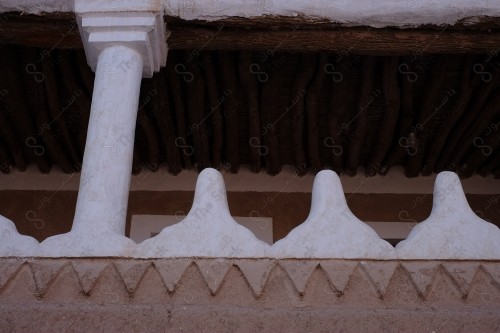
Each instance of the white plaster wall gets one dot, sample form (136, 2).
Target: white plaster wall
(401, 13)
(36, 6)
(349, 12)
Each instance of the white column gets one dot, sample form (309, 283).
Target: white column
(107, 162)
(123, 42)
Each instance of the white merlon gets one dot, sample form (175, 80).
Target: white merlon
(13, 244)
(331, 229)
(453, 230)
(207, 231)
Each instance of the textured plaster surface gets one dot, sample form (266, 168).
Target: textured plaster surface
(36, 6)
(406, 13)
(243, 295)
(99, 223)
(14, 244)
(453, 230)
(331, 229)
(207, 231)
(348, 12)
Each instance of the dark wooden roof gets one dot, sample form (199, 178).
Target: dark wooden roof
(228, 108)
(266, 92)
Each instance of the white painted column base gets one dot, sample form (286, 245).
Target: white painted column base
(87, 244)
(13, 244)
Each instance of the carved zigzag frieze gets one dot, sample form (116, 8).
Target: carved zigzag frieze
(255, 282)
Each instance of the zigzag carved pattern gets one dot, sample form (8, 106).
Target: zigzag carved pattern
(253, 282)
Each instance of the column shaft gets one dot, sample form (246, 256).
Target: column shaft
(107, 162)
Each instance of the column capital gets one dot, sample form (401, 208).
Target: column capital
(135, 24)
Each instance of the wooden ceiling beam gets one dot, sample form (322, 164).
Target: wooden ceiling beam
(340, 110)
(468, 84)
(473, 112)
(82, 99)
(194, 85)
(267, 33)
(433, 99)
(272, 112)
(163, 114)
(251, 90)
(215, 98)
(312, 113)
(178, 105)
(392, 96)
(355, 40)
(48, 136)
(357, 125)
(18, 112)
(5, 160)
(229, 107)
(52, 85)
(303, 75)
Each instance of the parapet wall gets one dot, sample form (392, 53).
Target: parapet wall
(207, 273)
(220, 294)
(452, 232)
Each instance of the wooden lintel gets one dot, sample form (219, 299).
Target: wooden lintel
(58, 31)
(351, 40)
(277, 34)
